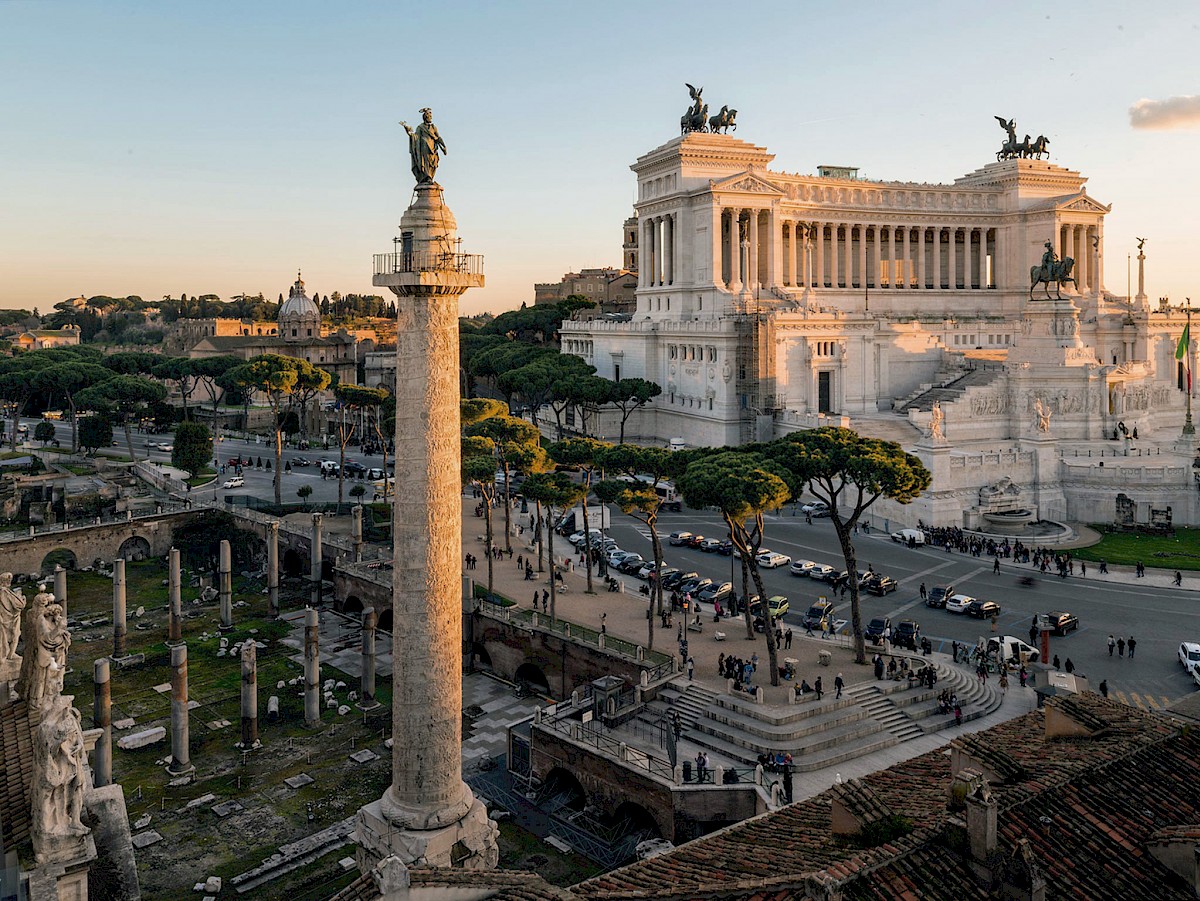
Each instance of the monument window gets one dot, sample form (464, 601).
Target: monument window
(616, 378)
(310, 333)
(293, 333)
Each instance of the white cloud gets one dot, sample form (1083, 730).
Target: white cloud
(1172, 113)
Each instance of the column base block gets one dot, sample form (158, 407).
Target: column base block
(176, 769)
(469, 843)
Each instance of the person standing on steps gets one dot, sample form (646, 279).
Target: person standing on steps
(839, 684)
(817, 688)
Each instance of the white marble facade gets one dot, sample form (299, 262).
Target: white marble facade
(770, 301)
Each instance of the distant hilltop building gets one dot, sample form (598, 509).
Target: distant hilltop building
(41, 339)
(613, 290)
(297, 333)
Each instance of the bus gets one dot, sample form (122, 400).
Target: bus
(665, 490)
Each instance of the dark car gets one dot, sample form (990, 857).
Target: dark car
(726, 548)
(875, 628)
(717, 591)
(879, 584)
(938, 594)
(1062, 623)
(906, 635)
(671, 580)
(818, 611)
(631, 564)
(983, 609)
(302, 461)
(694, 541)
(355, 468)
(666, 573)
(691, 586)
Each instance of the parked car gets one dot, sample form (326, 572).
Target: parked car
(354, 468)
(879, 584)
(678, 539)
(1013, 650)
(710, 545)
(695, 541)
(983, 609)
(801, 567)
(716, 591)
(1189, 655)
(726, 548)
(373, 473)
(615, 555)
(816, 613)
(958, 603)
(673, 581)
(822, 572)
(304, 461)
(691, 586)
(631, 564)
(938, 594)
(816, 508)
(909, 536)
(1062, 623)
(235, 482)
(875, 628)
(777, 606)
(772, 559)
(906, 635)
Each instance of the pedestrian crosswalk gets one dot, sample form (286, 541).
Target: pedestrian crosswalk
(1144, 700)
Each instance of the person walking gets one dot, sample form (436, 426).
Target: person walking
(1132, 644)
(817, 688)
(839, 684)
(1178, 578)
(1120, 647)
(787, 639)
(1069, 666)
(1104, 688)
(924, 592)
(958, 714)
(1058, 663)
(1003, 684)
(996, 566)
(691, 667)
(1112, 645)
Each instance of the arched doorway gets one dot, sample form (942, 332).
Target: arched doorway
(561, 791)
(483, 659)
(634, 822)
(531, 675)
(134, 548)
(352, 604)
(61, 557)
(293, 564)
(384, 623)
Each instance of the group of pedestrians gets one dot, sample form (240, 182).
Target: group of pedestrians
(1120, 644)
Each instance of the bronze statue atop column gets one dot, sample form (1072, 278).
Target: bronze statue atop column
(423, 145)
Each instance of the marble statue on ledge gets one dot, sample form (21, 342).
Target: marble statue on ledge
(12, 605)
(423, 145)
(937, 421)
(60, 778)
(47, 641)
(1041, 411)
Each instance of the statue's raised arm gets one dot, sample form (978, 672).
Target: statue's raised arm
(424, 142)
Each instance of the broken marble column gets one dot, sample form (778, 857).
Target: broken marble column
(102, 719)
(314, 573)
(175, 615)
(367, 700)
(249, 696)
(225, 585)
(273, 569)
(60, 588)
(180, 756)
(312, 669)
(356, 531)
(119, 625)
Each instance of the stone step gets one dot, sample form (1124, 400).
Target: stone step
(824, 717)
(843, 752)
(826, 738)
(781, 716)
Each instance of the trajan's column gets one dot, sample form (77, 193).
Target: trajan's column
(428, 816)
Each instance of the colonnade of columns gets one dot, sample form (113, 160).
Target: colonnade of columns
(1082, 244)
(849, 255)
(657, 251)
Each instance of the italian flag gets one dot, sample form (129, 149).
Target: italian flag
(1181, 353)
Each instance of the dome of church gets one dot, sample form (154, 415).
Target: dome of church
(298, 305)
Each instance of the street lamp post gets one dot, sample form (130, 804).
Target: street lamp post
(1188, 428)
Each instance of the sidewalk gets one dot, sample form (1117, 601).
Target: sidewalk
(623, 614)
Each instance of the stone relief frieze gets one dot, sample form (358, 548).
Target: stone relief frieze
(989, 404)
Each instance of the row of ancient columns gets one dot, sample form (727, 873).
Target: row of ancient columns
(899, 257)
(1082, 244)
(657, 251)
(180, 756)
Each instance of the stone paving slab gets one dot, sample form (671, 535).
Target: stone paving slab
(366, 755)
(299, 781)
(146, 839)
(225, 809)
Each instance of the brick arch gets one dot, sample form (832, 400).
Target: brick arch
(135, 547)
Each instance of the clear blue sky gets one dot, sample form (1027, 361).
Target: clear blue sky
(152, 148)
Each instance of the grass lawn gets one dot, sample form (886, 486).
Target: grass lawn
(204, 477)
(1180, 552)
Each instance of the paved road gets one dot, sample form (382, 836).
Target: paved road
(1159, 617)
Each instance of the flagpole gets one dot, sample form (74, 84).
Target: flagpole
(1188, 428)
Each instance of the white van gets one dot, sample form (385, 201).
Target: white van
(1014, 650)
(329, 467)
(909, 536)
